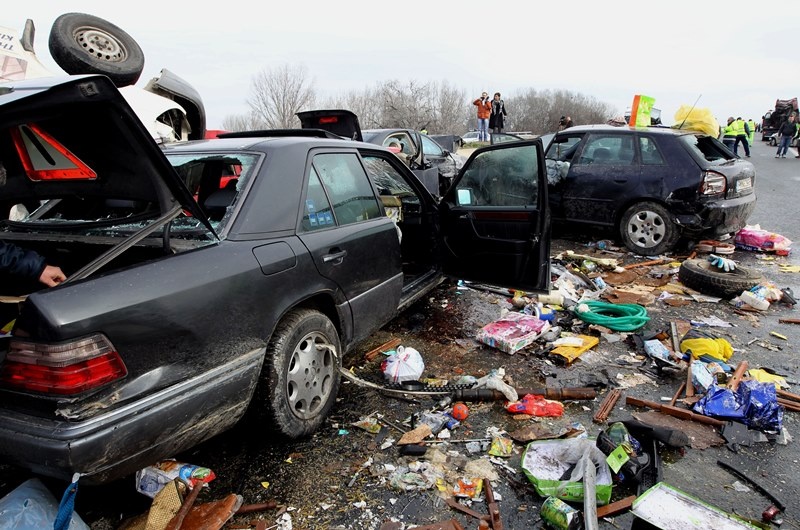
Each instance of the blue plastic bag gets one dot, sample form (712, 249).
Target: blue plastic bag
(754, 404)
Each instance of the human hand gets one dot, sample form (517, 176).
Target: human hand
(52, 276)
(725, 264)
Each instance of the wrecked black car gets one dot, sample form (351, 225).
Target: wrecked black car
(219, 275)
(649, 185)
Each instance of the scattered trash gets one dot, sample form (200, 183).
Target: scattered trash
(536, 405)
(512, 332)
(31, 506)
(546, 462)
(668, 508)
(752, 403)
(560, 515)
(151, 479)
(754, 238)
(572, 347)
(405, 364)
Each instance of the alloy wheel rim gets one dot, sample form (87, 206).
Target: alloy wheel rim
(647, 229)
(310, 375)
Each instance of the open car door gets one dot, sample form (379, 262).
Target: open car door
(495, 221)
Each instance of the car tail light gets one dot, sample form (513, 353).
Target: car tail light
(713, 183)
(64, 369)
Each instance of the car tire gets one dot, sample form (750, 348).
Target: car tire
(85, 44)
(773, 142)
(699, 274)
(300, 379)
(647, 228)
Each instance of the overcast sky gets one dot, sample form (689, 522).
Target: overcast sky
(740, 56)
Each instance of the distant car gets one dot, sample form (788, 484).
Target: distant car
(188, 302)
(651, 185)
(471, 137)
(773, 140)
(434, 166)
(169, 107)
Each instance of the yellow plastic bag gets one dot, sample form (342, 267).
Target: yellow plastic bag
(694, 119)
(717, 348)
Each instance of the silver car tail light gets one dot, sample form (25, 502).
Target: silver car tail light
(713, 183)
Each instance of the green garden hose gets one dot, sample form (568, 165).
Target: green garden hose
(619, 317)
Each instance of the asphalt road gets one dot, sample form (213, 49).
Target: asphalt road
(317, 477)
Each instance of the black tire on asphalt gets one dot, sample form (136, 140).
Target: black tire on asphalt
(700, 275)
(773, 142)
(300, 378)
(86, 44)
(647, 228)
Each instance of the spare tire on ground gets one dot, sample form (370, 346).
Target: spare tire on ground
(86, 44)
(700, 275)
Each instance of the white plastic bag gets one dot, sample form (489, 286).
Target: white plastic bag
(405, 364)
(31, 506)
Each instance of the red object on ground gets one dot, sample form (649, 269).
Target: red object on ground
(460, 411)
(536, 406)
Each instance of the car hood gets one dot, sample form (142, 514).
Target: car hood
(338, 121)
(63, 123)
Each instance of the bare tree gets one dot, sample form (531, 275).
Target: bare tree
(540, 111)
(277, 94)
(242, 122)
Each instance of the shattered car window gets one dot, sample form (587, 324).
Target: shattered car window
(214, 180)
(707, 148)
(503, 177)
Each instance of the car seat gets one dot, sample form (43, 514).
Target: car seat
(218, 202)
(601, 155)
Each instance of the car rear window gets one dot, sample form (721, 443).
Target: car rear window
(706, 148)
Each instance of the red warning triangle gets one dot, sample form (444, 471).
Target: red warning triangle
(45, 158)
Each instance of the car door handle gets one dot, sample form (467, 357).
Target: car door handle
(334, 255)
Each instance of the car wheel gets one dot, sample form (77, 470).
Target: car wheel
(301, 374)
(700, 275)
(773, 142)
(647, 229)
(85, 44)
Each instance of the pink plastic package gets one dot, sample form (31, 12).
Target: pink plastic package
(512, 332)
(754, 238)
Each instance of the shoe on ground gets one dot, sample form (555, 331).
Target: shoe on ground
(777, 156)
(783, 156)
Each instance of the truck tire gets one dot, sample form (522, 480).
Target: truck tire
(700, 275)
(300, 378)
(85, 44)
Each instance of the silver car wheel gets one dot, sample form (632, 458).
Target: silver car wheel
(646, 229)
(311, 372)
(100, 44)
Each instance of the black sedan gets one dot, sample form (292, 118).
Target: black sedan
(217, 276)
(649, 185)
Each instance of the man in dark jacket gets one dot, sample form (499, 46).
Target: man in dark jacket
(785, 134)
(21, 262)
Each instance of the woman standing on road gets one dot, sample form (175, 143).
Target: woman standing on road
(497, 118)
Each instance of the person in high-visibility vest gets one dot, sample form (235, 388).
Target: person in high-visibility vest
(729, 134)
(752, 137)
(742, 132)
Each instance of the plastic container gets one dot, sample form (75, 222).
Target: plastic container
(551, 299)
(754, 301)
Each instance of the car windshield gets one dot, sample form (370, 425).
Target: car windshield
(707, 148)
